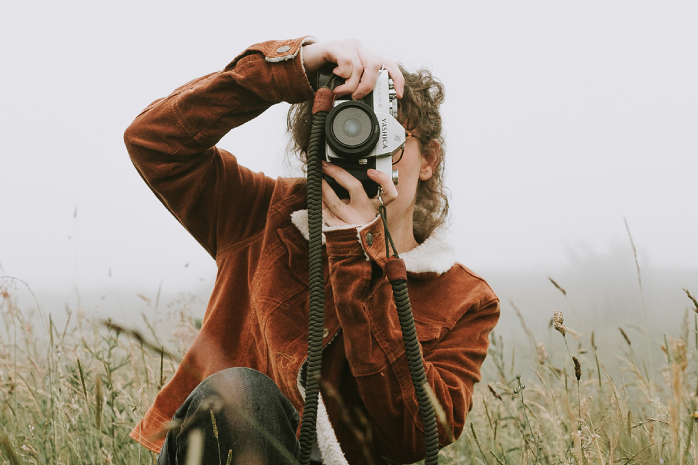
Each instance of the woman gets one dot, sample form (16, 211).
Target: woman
(240, 385)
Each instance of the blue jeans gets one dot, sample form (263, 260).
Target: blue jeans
(238, 413)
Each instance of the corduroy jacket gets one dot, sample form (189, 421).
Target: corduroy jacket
(256, 230)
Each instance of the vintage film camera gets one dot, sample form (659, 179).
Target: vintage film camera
(363, 134)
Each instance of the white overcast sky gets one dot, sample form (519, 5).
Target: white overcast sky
(562, 118)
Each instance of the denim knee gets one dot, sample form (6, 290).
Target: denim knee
(238, 410)
(244, 398)
(240, 388)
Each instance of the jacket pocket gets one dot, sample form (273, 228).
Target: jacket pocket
(428, 332)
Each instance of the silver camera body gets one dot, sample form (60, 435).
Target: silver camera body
(364, 134)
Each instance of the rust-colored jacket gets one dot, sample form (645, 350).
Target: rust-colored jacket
(258, 313)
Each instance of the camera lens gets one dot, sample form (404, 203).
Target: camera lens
(352, 129)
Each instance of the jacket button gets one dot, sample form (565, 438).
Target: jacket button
(369, 239)
(283, 49)
(325, 333)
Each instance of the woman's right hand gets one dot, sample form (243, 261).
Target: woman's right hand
(357, 64)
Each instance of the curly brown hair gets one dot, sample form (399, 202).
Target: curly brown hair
(418, 111)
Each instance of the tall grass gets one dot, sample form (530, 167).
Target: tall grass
(72, 393)
(575, 412)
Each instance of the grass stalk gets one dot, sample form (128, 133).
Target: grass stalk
(98, 403)
(477, 441)
(644, 313)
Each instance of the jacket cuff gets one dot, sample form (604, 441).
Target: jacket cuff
(151, 431)
(362, 240)
(372, 239)
(285, 58)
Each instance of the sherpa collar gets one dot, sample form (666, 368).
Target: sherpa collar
(434, 255)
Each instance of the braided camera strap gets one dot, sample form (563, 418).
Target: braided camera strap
(397, 275)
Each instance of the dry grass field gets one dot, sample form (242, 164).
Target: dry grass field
(70, 393)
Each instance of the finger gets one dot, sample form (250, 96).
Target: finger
(386, 183)
(334, 52)
(372, 65)
(346, 180)
(345, 64)
(396, 76)
(327, 216)
(330, 201)
(351, 69)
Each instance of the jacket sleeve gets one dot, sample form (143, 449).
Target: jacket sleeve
(375, 349)
(172, 142)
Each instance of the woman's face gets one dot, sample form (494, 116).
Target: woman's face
(412, 167)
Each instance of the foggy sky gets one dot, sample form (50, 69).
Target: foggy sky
(562, 119)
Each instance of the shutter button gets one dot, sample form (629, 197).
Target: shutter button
(283, 49)
(369, 239)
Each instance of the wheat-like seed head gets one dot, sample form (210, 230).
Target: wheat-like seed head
(494, 393)
(680, 354)
(215, 426)
(99, 401)
(577, 368)
(472, 429)
(542, 354)
(693, 299)
(629, 424)
(625, 336)
(558, 321)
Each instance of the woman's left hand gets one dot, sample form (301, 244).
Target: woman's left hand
(358, 208)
